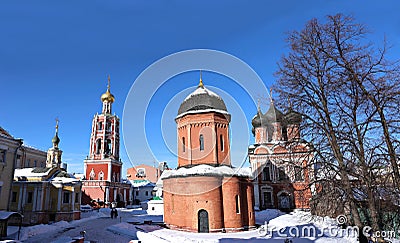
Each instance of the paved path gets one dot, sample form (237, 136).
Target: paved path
(96, 231)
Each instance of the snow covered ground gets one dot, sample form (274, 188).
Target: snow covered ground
(281, 226)
(298, 226)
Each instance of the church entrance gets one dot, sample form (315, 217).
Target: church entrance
(203, 221)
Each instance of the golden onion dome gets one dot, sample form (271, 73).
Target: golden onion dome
(107, 96)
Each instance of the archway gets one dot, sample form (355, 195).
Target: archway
(284, 200)
(203, 221)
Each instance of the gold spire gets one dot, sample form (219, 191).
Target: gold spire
(107, 96)
(201, 85)
(57, 125)
(108, 86)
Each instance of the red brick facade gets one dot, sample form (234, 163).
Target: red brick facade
(215, 200)
(184, 197)
(103, 166)
(279, 160)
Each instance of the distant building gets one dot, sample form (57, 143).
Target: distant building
(146, 172)
(205, 193)
(102, 168)
(46, 194)
(142, 191)
(279, 161)
(13, 154)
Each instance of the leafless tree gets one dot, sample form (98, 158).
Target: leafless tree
(348, 93)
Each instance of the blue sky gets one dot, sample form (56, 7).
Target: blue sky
(55, 57)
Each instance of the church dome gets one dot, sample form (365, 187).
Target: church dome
(107, 96)
(202, 100)
(56, 139)
(273, 114)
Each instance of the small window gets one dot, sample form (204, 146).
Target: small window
(237, 199)
(137, 193)
(98, 146)
(281, 174)
(183, 144)
(66, 197)
(266, 174)
(221, 141)
(298, 173)
(201, 140)
(100, 126)
(108, 126)
(30, 197)
(3, 156)
(108, 146)
(147, 193)
(77, 197)
(14, 197)
(28, 163)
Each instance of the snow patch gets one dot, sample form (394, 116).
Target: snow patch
(210, 170)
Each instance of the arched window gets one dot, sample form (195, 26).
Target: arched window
(201, 140)
(92, 174)
(266, 174)
(183, 144)
(108, 146)
(108, 126)
(100, 126)
(101, 176)
(221, 141)
(237, 200)
(98, 146)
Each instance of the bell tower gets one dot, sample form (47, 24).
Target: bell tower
(103, 162)
(54, 153)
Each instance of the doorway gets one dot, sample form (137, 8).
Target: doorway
(203, 221)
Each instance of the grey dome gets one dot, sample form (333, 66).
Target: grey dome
(200, 100)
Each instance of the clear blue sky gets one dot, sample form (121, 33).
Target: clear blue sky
(55, 57)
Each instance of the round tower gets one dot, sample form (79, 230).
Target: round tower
(203, 129)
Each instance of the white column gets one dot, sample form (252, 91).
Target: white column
(109, 172)
(41, 198)
(73, 199)
(115, 194)
(35, 196)
(59, 199)
(124, 195)
(107, 194)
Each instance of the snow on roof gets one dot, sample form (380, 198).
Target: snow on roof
(202, 90)
(202, 111)
(29, 172)
(64, 179)
(206, 170)
(141, 183)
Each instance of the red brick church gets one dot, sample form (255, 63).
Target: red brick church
(102, 168)
(279, 161)
(205, 193)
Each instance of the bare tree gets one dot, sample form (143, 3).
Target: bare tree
(348, 94)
